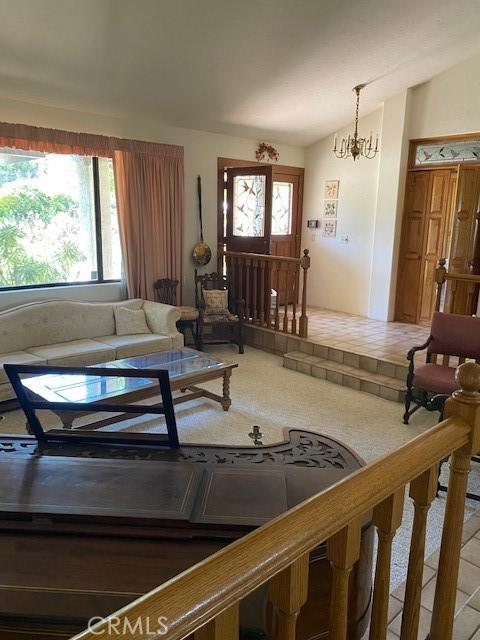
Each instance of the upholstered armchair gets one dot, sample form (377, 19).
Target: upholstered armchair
(220, 316)
(430, 384)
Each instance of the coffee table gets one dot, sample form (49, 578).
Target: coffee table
(186, 367)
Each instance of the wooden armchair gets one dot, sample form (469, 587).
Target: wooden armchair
(224, 322)
(430, 384)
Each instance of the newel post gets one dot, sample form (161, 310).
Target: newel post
(465, 403)
(303, 322)
(440, 273)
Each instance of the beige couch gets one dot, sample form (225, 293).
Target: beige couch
(79, 333)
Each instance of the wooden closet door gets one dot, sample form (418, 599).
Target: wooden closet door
(465, 248)
(427, 207)
(436, 219)
(410, 266)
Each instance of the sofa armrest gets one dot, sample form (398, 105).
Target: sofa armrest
(161, 318)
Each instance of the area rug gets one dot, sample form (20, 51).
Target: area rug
(272, 397)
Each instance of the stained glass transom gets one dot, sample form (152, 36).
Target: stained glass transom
(448, 152)
(249, 206)
(282, 208)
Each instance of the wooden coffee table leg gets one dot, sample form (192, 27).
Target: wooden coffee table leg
(226, 400)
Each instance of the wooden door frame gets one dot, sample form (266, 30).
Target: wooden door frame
(225, 163)
(412, 168)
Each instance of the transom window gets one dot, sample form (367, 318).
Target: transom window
(447, 152)
(58, 220)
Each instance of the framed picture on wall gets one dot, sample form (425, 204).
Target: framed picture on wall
(331, 189)
(329, 229)
(330, 208)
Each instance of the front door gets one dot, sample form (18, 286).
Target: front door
(286, 230)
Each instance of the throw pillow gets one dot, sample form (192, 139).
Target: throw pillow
(130, 321)
(216, 301)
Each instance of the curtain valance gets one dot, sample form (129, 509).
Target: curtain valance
(27, 137)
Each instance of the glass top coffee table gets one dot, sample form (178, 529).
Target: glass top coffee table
(186, 368)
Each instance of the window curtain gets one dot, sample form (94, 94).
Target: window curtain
(150, 211)
(149, 184)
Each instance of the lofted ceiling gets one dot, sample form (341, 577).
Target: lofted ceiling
(280, 70)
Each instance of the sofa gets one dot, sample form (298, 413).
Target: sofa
(60, 332)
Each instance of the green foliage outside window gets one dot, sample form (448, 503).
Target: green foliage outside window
(28, 212)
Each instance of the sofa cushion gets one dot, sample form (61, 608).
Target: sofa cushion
(435, 378)
(17, 357)
(137, 345)
(129, 322)
(75, 353)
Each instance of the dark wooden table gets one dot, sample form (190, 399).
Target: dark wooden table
(86, 529)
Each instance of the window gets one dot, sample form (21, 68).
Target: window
(447, 152)
(282, 208)
(58, 220)
(249, 206)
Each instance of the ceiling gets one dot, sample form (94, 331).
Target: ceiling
(280, 70)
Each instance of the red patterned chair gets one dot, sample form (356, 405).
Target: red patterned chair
(430, 384)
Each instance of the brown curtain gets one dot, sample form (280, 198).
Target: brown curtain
(149, 181)
(150, 212)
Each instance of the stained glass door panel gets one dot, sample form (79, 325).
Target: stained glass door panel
(248, 207)
(282, 208)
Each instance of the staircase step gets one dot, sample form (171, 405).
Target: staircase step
(378, 384)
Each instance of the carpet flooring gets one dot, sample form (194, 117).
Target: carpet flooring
(272, 397)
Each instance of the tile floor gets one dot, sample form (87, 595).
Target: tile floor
(388, 341)
(467, 615)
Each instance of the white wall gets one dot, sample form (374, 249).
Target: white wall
(388, 208)
(201, 152)
(340, 274)
(449, 103)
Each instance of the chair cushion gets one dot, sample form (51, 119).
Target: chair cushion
(17, 357)
(136, 345)
(130, 321)
(435, 378)
(188, 313)
(216, 301)
(75, 353)
(215, 318)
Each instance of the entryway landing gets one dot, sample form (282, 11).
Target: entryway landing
(354, 351)
(389, 341)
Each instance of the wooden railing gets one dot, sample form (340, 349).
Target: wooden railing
(204, 600)
(456, 292)
(253, 276)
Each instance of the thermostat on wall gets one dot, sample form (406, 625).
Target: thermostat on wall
(313, 224)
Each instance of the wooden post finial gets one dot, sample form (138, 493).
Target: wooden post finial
(468, 379)
(305, 259)
(441, 271)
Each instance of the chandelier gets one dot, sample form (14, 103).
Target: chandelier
(354, 146)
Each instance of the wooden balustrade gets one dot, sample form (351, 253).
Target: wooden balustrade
(253, 276)
(456, 292)
(204, 599)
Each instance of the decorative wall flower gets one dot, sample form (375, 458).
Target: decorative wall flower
(266, 152)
